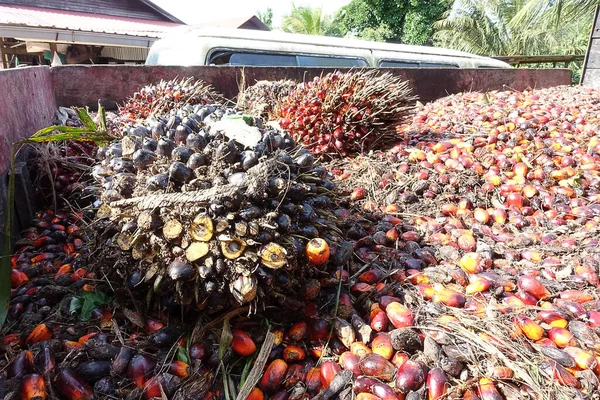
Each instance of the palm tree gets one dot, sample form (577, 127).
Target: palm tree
(517, 27)
(266, 17)
(306, 20)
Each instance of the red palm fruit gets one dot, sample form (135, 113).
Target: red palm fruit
(520, 169)
(546, 342)
(71, 386)
(70, 345)
(437, 384)
(560, 374)
(376, 366)
(152, 325)
(471, 263)
(360, 349)
(329, 370)
(576, 295)
(449, 297)
(39, 333)
(384, 301)
(255, 394)
(583, 359)
(593, 318)
(295, 373)
(526, 298)
(392, 235)
(562, 337)
(121, 361)
(589, 274)
(478, 284)
(85, 338)
(502, 373)
(313, 381)
(293, 353)
(574, 308)
(410, 376)
(349, 361)
(382, 345)
(552, 318)
(242, 344)
(487, 390)
(499, 216)
(399, 358)
(198, 351)
(33, 387)
(529, 328)
(139, 369)
(17, 278)
(21, 365)
(298, 331)
(358, 194)
(384, 392)
(367, 396)
(470, 395)
(399, 316)
(531, 285)
(514, 200)
(318, 329)
(426, 291)
(363, 384)
(180, 369)
(371, 276)
(274, 376)
(449, 209)
(466, 242)
(532, 255)
(378, 319)
(529, 191)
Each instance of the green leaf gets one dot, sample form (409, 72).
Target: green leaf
(5, 264)
(226, 339)
(75, 305)
(85, 119)
(89, 301)
(182, 355)
(102, 117)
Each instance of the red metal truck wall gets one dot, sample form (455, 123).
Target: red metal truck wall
(85, 85)
(27, 104)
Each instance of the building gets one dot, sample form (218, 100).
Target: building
(80, 31)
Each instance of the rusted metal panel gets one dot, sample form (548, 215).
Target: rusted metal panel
(27, 104)
(112, 84)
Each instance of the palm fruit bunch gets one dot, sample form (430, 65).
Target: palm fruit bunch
(195, 215)
(158, 99)
(345, 113)
(261, 98)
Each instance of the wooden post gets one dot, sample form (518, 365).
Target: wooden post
(4, 64)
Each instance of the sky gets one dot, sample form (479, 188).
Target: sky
(198, 11)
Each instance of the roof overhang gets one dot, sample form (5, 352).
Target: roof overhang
(55, 35)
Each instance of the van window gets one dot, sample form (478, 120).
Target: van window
(438, 65)
(282, 60)
(398, 64)
(324, 61)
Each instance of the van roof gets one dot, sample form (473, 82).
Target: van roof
(276, 36)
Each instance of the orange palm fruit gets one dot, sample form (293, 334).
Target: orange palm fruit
(529, 328)
(531, 285)
(255, 394)
(487, 390)
(293, 353)
(562, 337)
(180, 369)
(378, 319)
(298, 331)
(366, 396)
(477, 284)
(242, 344)
(583, 359)
(317, 251)
(577, 296)
(313, 381)
(399, 358)
(350, 361)
(560, 374)
(360, 349)
(33, 387)
(471, 263)
(376, 366)
(382, 345)
(71, 386)
(399, 316)
(139, 369)
(39, 333)
(449, 297)
(502, 373)
(552, 318)
(274, 376)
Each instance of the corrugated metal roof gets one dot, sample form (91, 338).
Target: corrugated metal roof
(76, 21)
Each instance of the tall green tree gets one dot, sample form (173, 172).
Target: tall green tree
(306, 20)
(266, 17)
(405, 21)
(517, 27)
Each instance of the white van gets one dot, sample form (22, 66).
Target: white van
(193, 46)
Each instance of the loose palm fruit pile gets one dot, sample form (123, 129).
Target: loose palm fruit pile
(345, 113)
